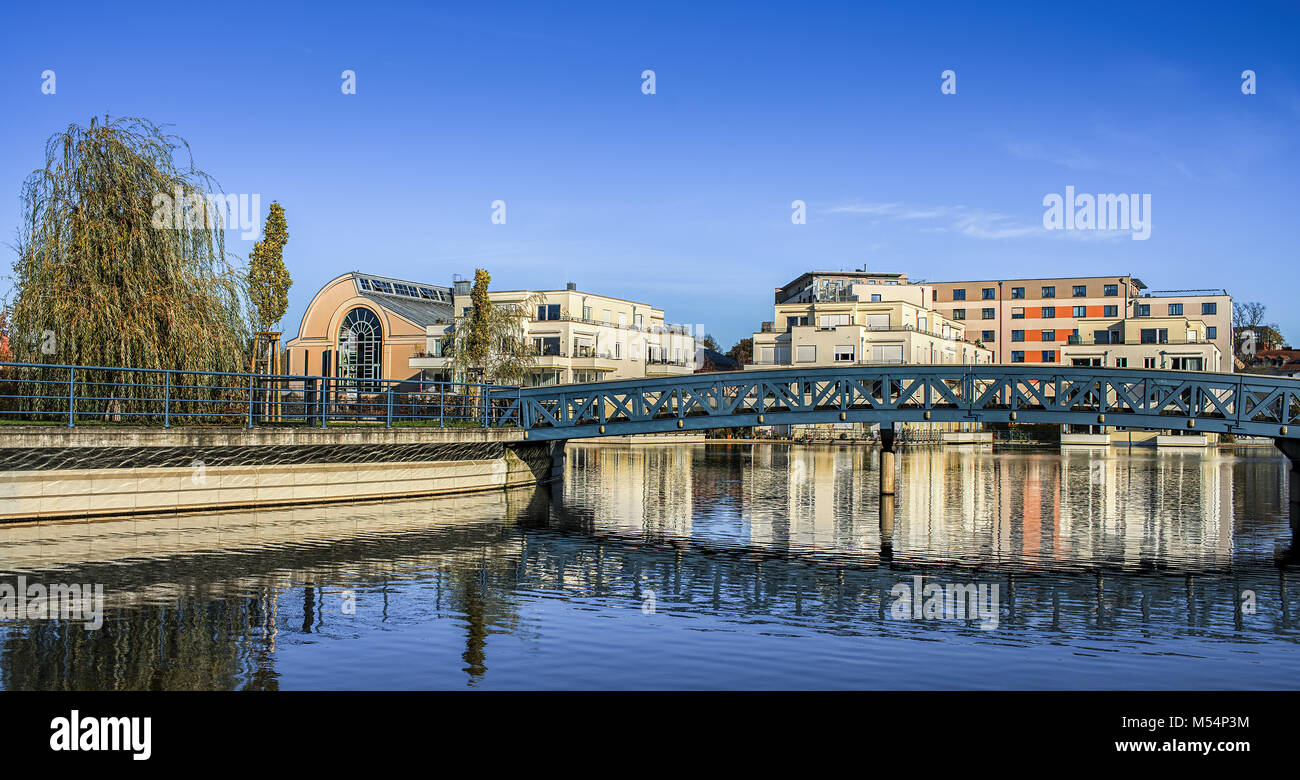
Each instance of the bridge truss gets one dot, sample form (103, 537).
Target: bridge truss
(1203, 402)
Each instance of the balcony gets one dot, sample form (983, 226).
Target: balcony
(680, 330)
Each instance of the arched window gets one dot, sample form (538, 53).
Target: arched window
(360, 349)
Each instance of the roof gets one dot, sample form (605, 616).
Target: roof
(721, 361)
(422, 303)
(1284, 356)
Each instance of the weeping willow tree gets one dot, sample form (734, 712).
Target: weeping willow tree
(121, 258)
(490, 344)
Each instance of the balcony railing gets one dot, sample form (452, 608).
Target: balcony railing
(680, 330)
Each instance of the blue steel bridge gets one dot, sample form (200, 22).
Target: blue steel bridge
(1243, 404)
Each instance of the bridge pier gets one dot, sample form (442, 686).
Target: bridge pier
(887, 507)
(557, 460)
(1291, 448)
(887, 459)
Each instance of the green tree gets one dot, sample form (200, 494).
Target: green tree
(121, 258)
(490, 344)
(743, 351)
(708, 342)
(268, 279)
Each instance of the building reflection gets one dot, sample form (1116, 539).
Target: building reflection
(1142, 545)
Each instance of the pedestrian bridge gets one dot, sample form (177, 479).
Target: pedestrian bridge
(1243, 404)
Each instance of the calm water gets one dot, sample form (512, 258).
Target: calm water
(701, 566)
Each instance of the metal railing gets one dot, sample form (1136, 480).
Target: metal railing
(43, 393)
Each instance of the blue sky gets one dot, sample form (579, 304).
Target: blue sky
(683, 198)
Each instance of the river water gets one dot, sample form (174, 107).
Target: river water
(703, 566)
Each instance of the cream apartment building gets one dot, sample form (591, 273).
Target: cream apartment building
(1146, 342)
(856, 317)
(1166, 343)
(844, 318)
(577, 336)
(1032, 320)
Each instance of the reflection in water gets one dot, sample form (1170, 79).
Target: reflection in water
(698, 566)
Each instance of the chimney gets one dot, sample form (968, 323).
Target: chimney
(570, 285)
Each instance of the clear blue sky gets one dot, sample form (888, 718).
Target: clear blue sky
(682, 198)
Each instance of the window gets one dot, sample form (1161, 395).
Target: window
(1049, 356)
(887, 353)
(548, 345)
(767, 355)
(586, 313)
(1049, 312)
(832, 320)
(1110, 290)
(1018, 313)
(622, 319)
(1142, 310)
(1080, 291)
(1148, 335)
(1049, 292)
(959, 295)
(360, 349)
(636, 321)
(1017, 292)
(606, 313)
(875, 297)
(1175, 309)
(365, 284)
(1049, 335)
(987, 336)
(1017, 335)
(987, 314)
(1149, 362)
(1017, 357)
(791, 322)
(1121, 362)
(844, 354)
(379, 286)
(1211, 332)
(1209, 308)
(806, 354)
(1101, 337)
(548, 311)
(959, 314)
(1110, 311)
(988, 293)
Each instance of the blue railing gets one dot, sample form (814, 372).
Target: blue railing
(72, 395)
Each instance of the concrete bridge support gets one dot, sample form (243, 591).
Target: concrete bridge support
(557, 461)
(887, 510)
(1291, 449)
(887, 459)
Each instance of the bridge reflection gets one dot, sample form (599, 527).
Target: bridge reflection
(787, 537)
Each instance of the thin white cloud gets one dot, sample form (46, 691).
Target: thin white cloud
(967, 221)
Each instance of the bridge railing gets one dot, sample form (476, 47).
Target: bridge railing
(43, 393)
(1158, 399)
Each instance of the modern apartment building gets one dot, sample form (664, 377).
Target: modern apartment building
(833, 318)
(839, 318)
(1173, 343)
(1032, 320)
(577, 336)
